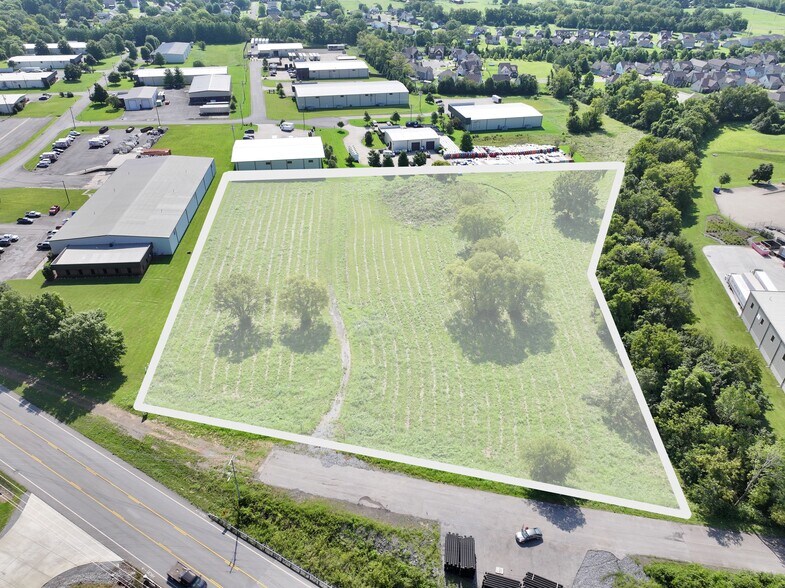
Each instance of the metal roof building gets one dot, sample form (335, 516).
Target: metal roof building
(146, 201)
(43, 61)
(140, 98)
(210, 88)
(174, 52)
(155, 76)
(350, 95)
(99, 261)
(276, 154)
(275, 49)
(20, 80)
(54, 49)
(496, 117)
(764, 316)
(331, 70)
(411, 139)
(12, 103)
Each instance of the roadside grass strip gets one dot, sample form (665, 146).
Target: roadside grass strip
(425, 386)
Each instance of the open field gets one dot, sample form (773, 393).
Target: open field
(126, 300)
(424, 383)
(760, 22)
(55, 106)
(232, 57)
(735, 150)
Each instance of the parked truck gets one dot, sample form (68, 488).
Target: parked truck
(181, 576)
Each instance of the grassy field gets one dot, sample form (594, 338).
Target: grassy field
(760, 22)
(55, 106)
(15, 201)
(422, 383)
(735, 150)
(539, 69)
(335, 138)
(126, 300)
(95, 112)
(232, 57)
(286, 109)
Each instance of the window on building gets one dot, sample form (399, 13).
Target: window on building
(772, 338)
(752, 305)
(761, 320)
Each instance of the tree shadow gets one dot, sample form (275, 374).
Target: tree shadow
(581, 229)
(776, 545)
(499, 340)
(565, 517)
(236, 342)
(309, 340)
(620, 411)
(725, 537)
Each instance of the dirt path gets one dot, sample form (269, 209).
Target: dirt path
(326, 427)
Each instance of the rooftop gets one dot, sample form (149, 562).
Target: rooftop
(211, 83)
(25, 75)
(277, 46)
(411, 134)
(278, 149)
(177, 48)
(773, 306)
(102, 254)
(157, 72)
(331, 65)
(143, 198)
(36, 58)
(141, 92)
(72, 44)
(494, 111)
(348, 89)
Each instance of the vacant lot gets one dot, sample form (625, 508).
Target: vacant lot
(423, 382)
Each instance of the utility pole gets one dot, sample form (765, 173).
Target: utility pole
(237, 519)
(66, 193)
(73, 122)
(158, 116)
(242, 106)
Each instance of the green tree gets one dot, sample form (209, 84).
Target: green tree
(144, 52)
(113, 77)
(467, 143)
(64, 48)
(88, 344)
(99, 94)
(368, 139)
(95, 51)
(72, 73)
(341, 124)
(133, 52)
(396, 118)
(434, 118)
(387, 161)
(114, 102)
(241, 296)
(158, 60)
(419, 158)
(574, 196)
(43, 315)
(178, 80)
(374, 159)
(41, 48)
(304, 298)
(449, 127)
(562, 83)
(168, 79)
(724, 179)
(479, 221)
(366, 117)
(762, 174)
(403, 159)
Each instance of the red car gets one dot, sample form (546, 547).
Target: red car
(54, 209)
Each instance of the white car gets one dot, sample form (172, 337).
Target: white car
(287, 127)
(33, 214)
(44, 163)
(10, 237)
(74, 133)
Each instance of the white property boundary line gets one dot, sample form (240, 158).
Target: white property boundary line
(683, 510)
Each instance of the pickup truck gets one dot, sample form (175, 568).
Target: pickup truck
(181, 576)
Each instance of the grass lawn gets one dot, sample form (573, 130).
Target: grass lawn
(539, 69)
(55, 106)
(11, 492)
(423, 383)
(95, 112)
(286, 109)
(15, 201)
(760, 22)
(736, 150)
(335, 138)
(127, 300)
(232, 57)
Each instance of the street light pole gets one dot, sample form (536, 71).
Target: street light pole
(242, 106)
(66, 194)
(73, 122)
(158, 116)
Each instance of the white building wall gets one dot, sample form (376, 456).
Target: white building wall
(278, 165)
(356, 101)
(759, 328)
(778, 364)
(770, 343)
(499, 124)
(749, 312)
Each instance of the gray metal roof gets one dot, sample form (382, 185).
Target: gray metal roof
(331, 65)
(211, 83)
(348, 89)
(495, 111)
(144, 198)
(773, 306)
(173, 48)
(141, 92)
(101, 254)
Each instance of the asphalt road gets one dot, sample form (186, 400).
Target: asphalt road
(493, 519)
(122, 508)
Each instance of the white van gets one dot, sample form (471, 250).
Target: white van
(496, 99)
(50, 155)
(287, 127)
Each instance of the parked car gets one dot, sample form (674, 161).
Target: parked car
(10, 237)
(52, 233)
(43, 97)
(413, 124)
(145, 129)
(54, 209)
(23, 220)
(180, 575)
(33, 214)
(527, 534)
(130, 129)
(103, 129)
(44, 163)
(249, 132)
(74, 133)
(5, 242)
(287, 127)
(43, 246)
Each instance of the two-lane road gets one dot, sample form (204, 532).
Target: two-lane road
(122, 508)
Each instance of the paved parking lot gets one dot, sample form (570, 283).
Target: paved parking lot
(79, 156)
(732, 259)
(178, 109)
(21, 259)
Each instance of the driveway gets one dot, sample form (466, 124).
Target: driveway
(754, 206)
(493, 519)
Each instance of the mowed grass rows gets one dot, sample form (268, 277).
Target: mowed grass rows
(414, 388)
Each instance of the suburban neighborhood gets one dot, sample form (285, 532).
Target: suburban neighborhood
(449, 293)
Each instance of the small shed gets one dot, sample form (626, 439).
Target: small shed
(140, 98)
(103, 261)
(278, 154)
(174, 52)
(411, 139)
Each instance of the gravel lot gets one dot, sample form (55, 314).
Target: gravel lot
(22, 258)
(754, 206)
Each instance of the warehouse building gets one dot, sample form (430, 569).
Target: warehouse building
(173, 52)
(331, 70)
(148, 201)
(12, 103)
(262, 50)
(155, 76)
(77, 47)
(407, 139)
(276, 154)
(477, 118)
(99, 261)
(211, 88)
(350, 95)
(43, 61)
(140, 98)
(20, 80)
(764, 317)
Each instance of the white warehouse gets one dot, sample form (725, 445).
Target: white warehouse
(331, 70)
(764, 317)
(140, 98)
(277, 154)
(350, 95)
(275, 49)
(212, 88)
(43, 61)
(155, 76)
(496, 117)
(146, 201)
(20, 80)
(54, 48)
(408, 139)
(174, 52)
